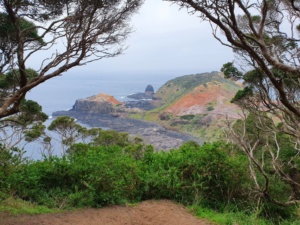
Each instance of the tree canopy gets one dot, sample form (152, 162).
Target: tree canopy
(70, 33)
(264, 36)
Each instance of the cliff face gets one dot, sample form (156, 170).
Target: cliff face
(101, 103)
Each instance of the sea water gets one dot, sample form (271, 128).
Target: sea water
(60, 93)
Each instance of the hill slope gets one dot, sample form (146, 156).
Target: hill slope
(197, 104)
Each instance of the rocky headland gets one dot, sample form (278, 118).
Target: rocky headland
(105, 111)
(197, 105)
(101, 103)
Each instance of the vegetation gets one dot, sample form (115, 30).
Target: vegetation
(119, 170)
(178, 87)
(255, 175)
(86, 31)
(269, 133)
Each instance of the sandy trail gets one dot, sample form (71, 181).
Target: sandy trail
(146, 213)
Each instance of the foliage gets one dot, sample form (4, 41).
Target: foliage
(214, 176)
(97, 176)
(100, 176)
(23, 127)
(178, 87)
(261, 43)
(231, 72)
(8, 32)
(226, 217)
(194, 174)
(85, 30)
(19, 207)
(187, 117)
(9, 162)
(69, 131)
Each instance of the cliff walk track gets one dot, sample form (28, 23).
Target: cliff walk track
(146, 213)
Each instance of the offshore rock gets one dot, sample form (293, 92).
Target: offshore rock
(149, 90)
(147, 95)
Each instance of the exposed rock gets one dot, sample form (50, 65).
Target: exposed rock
(141, 104)
(159, 137)
(101, 103)
(147, 95)
(149, 90)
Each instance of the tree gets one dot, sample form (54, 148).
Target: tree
(230, 71)
(23, 127)
(69, 131)
(69, 33)
(264, 35)
(269, 136)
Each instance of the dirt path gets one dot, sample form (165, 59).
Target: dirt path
(146, 213)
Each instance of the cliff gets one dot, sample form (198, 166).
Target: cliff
(101, 103)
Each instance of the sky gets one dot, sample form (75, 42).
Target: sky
(165, 40)
(166, 43)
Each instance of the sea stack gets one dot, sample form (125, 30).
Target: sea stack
(149, 90)
(147, 95)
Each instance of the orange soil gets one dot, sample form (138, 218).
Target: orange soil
(197, 101)
(146, 213)
(105, 98)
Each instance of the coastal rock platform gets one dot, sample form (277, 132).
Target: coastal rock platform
(154, 134)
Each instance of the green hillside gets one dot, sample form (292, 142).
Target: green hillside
(176, 88)
(194, 104)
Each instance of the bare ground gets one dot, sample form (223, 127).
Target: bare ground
(146, 213)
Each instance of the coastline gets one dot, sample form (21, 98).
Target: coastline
(151, 133)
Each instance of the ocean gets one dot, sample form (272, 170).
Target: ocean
(60, 93)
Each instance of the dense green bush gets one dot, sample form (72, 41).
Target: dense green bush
(194, 174)
(97, 176)
(214, 175)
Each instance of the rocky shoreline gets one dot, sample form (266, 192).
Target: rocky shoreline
(159, 137)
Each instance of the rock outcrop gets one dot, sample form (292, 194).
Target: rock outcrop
(147, 95)
(159, 137)
(149, 90)
(101, 103)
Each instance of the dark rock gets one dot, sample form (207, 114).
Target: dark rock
(140, 96)
(159, 137)
(147, 95)
(141, 104)
(165, 116)
(149, 90)
(83, 105)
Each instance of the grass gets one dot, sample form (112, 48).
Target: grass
(235, 218)
(15, 207)
(227, 217)
(19, 207)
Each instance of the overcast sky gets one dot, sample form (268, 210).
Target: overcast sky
(165, 41)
